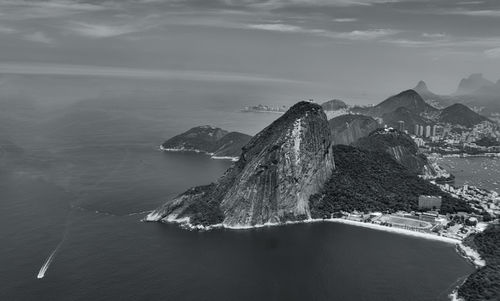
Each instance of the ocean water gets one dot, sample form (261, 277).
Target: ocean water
(483, 172)
(83, 176)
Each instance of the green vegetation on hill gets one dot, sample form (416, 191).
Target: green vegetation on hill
(209, 139)
(333, 105)
(382, 139)
(462, 115)
(484, 284)
(373, 181)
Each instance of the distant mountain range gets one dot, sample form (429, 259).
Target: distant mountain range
(472, 83)
(474, 90)
(411, 108)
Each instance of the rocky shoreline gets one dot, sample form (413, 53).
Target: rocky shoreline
(186, 150)
(185, 223)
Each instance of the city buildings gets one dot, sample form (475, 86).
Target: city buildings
(428, 131)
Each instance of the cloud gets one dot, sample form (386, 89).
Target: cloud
(451, 43)
(358, 35)
(111, 30)
(7, 30)
(474, 13)
(100, 71)
(470, 2)
(100, 30)
(331, 3)
(39, 37)
(493, 53)
(278, 27)
(343, 20)
(364, 35)
(23, 9)
(433, 35)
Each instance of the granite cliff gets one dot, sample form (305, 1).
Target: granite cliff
(278, 170)
(347, 129)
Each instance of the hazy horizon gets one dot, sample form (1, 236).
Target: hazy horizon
(360, 51)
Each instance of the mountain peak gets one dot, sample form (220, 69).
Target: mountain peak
(421, 87)
(409, 93)
(409, 99)
(472, 83)
(461, 114)
(278, 170)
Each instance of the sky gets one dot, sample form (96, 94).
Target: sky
(324, 48)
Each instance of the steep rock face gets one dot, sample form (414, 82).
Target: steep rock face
(347, 129)
(402, 148)
(279, 169)
(462, 115)
(208, 139)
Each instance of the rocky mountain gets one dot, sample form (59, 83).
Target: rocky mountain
(408, 99)
(404, 150)
(334, 105)
(473, 83)
(474, 91)
(460, 114)
(287, 172)
(347, 129)
(208, 139)
(279, 169)
(435, 100)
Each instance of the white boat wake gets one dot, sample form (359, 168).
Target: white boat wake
(52, 255)
(47, 263)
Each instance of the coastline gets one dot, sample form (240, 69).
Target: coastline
(184, 222)
(464, 155)
(183, 150)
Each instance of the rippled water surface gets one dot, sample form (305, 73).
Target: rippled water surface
(83, 179)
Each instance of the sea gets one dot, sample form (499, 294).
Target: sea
(77, 179)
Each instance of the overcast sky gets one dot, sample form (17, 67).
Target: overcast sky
(341, 47)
